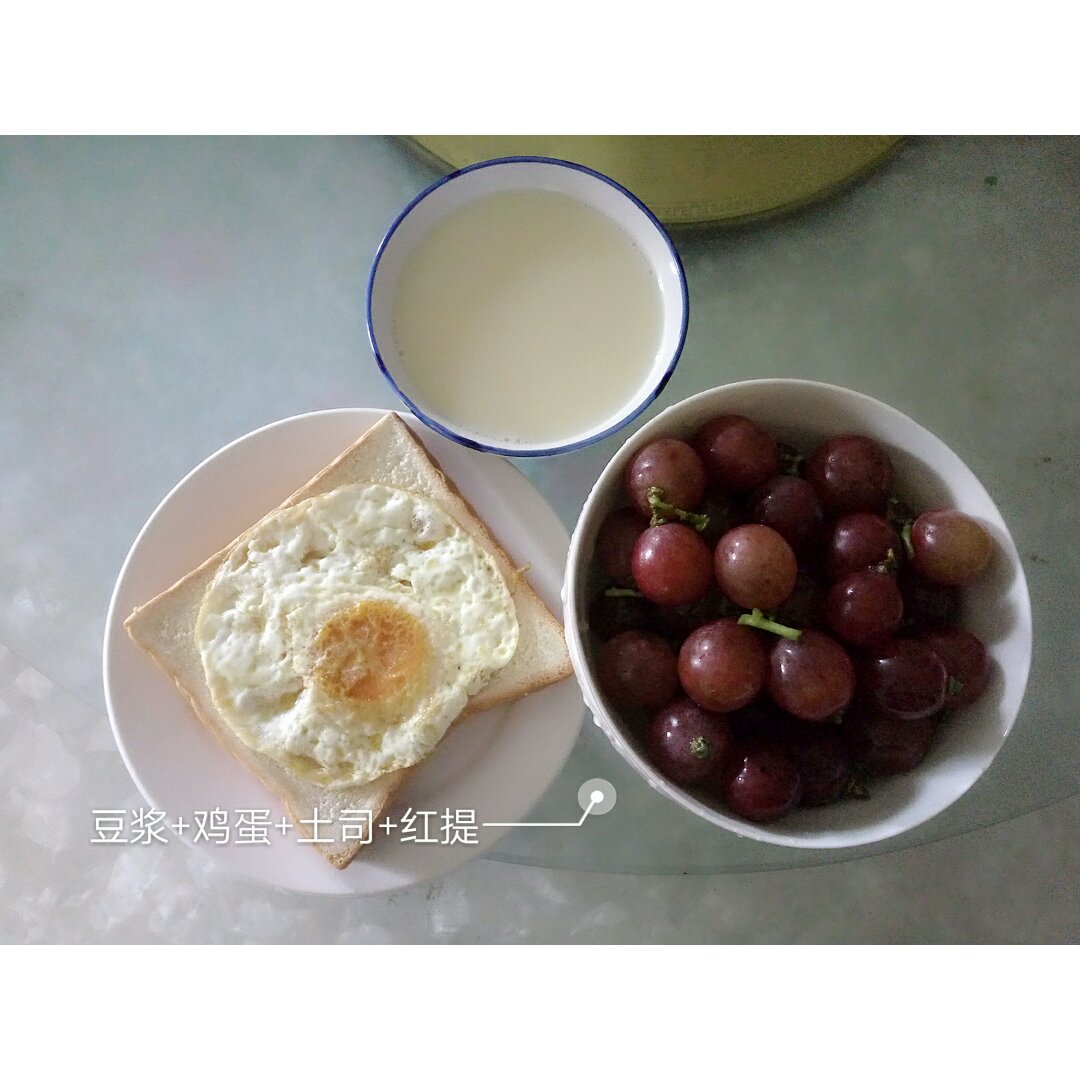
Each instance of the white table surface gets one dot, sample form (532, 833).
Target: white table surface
(160, 297)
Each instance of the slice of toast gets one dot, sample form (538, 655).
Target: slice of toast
(388, 453)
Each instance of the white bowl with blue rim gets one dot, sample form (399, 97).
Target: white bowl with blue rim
(593, 419)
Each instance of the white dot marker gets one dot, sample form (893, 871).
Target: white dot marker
(596, 797)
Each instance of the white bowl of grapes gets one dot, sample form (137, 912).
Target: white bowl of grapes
(798, 614)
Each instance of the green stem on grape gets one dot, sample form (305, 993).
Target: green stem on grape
(614, 590)
(662, 512)
(856, 785)
(898, 514)
(901, 517)
(905, 535)
(889, 565)
(955, 687)
(761, 622)
(699, 747)
(791, 461)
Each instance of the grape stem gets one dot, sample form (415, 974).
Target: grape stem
(759, 621)
(791, 461)
(889, 565)
(905, 535)
(663, 512)
(856, 786)
(614, 590)
(901, 518)
(898, 513)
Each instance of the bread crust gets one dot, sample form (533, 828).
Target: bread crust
(164, 628)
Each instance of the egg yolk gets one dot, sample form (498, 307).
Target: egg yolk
(372, 652)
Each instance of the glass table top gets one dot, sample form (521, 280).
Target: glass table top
(160, 297)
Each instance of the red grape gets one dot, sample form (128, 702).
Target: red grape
(722, 665)
(950, 548)
(611, 615)
(966, 661)
(762, 719)
(755, 567)
(851, 472)
(903, 679)
(738, 453)
(805, 607)
(926, 605)
(615, 545)
(687, 743)
(812, 678)
(680, 621)
(762, 782)
(823, 761)
(865, 607)
(791, 506)
(672, 564)
(885, 745)
(860, 540)
(638, 669)
(723, 513)
(671, 465)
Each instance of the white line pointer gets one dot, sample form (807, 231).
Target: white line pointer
(595, 797)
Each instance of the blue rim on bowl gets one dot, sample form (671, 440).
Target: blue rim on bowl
(561, 448)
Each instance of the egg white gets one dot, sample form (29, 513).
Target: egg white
(357, 548)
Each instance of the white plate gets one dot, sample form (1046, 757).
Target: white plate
(497, 764)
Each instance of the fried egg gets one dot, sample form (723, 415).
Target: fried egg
(344, 634)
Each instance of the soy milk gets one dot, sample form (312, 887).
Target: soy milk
(526, 316)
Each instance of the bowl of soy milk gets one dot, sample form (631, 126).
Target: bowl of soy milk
(526, 306)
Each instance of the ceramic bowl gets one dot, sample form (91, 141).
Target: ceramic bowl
(591, 188)
(996, 608)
